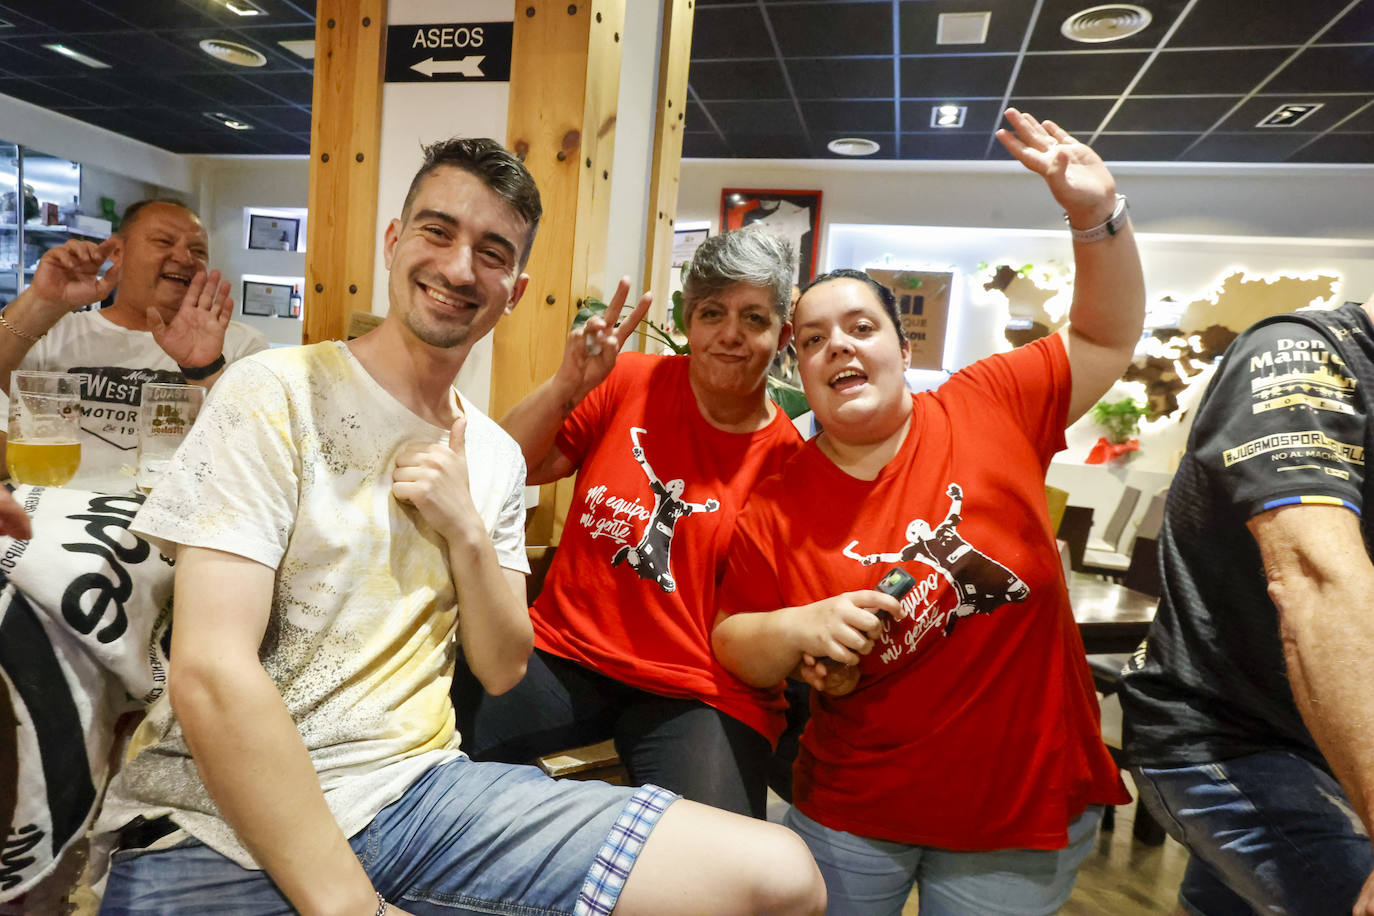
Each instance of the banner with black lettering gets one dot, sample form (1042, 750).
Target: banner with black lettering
(84, 611)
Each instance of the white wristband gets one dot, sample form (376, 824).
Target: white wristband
(1101, 231)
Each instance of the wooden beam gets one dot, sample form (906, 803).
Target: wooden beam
(565, 81)
(345, 139)
(674, 55)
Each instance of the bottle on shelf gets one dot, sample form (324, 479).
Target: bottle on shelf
(295, 301)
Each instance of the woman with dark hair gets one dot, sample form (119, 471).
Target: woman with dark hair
(666, 448)
(954, 739)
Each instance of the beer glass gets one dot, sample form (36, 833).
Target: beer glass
(165, 415)
(43, 446)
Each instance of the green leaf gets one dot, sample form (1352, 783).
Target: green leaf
(590, 307)
(679, 315)
(790, 398)
(1121, 419)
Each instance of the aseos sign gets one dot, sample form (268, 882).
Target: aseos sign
(449, 52)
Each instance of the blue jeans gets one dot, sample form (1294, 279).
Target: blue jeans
(683, 745)
(868, 877)
(464, 838)
(1269, 833)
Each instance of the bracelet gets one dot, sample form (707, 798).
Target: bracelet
(203, 372)
(4, 322)
(1111, 227)
(382, 905)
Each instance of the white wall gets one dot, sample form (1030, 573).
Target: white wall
(226, 185)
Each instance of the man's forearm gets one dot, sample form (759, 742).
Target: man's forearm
(255, 766)
(493, 620)
(26, 320)
(757, 647)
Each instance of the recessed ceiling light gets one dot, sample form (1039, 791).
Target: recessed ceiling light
(948, 115)
(231, 52)
(301, 47)
(962, 28)
(243, 8)
(78, 56)
(1110, 22)
(1289, 115)
(228, 121)
(852, 146)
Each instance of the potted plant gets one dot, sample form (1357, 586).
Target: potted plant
(1121, 419)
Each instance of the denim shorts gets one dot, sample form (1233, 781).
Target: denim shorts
(464, 838)
(868, 877)
(1268, 832)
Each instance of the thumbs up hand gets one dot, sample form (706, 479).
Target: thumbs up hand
(433, 477)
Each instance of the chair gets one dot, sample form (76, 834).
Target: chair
(1056, 499)
(1103, 555)
(359, 323)
(1073, 530)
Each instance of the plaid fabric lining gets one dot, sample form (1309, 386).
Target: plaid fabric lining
(617, 855)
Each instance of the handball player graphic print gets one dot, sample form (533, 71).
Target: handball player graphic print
(652, 556)
(980, 582)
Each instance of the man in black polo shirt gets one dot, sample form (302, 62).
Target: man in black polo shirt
(1249, 711)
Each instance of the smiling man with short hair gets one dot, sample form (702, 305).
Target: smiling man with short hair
(169, 323)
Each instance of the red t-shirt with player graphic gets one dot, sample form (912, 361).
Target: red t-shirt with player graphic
(975, 724)
(632, 589)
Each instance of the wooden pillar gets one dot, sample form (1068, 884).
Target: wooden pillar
(565, 80)
(345, 120)
(674, 56)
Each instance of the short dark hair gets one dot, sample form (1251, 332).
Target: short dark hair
(495, 166)
(132, 212)
(880, 292)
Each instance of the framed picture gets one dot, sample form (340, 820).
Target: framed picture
(266, 299)
(923, 306)
(685, 243)
(272, 233)
(792, 215)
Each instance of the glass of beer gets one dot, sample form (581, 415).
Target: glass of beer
(43, 446)
(165, 415)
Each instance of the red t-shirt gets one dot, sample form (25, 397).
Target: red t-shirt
(975, 724)
(632, 589)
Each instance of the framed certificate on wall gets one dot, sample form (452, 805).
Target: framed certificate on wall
(266, 299)
(273, 233)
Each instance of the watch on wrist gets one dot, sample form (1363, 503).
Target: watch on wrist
(1111, 227)
(200, 373)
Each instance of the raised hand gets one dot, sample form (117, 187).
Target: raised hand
(68, 277)
(195, 335)
(1076, 176)
(433, 477)
(592, 349)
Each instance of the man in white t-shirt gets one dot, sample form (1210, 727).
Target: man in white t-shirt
(341, 514)
(169, 323)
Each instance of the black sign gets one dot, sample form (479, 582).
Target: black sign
(449, 51)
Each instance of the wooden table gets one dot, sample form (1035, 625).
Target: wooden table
(1111, 618)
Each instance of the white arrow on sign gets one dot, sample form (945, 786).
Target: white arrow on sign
(468, 66)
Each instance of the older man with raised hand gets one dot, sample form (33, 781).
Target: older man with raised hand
(344, 517)
(169, 323)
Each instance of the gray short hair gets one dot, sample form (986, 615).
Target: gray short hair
(741, 256)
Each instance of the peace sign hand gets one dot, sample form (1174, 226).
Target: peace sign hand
(592, 349)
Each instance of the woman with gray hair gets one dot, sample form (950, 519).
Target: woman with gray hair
(666, 449)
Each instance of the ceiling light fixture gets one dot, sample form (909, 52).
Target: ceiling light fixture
(78, 56)
(1289, 115)
(242, 8)
(1110, 22)
(852, 146)
(301, 47)
(228, 121)
(962, 28)
(948, 115)
(232, 52)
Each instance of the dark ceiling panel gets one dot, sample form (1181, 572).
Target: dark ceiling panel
(1252, 146)
(1178, 115)
(849, 117)
(1334, 108)
(842, 78)
(747, 79)
(68, 16)
(1209, 72)
(229, 90)
(1356, 26)
(35, 93)
(833, 29)
(291, 87)
(956, 78)
(284, 117)
(1364, 120)
(1078, 116)
(1337, 147)
(755, 117)
(920, 24)
(1326, 69)
(159, 14)
(943, 146)
(1142, 147)
(93, 91)
(1255, 22)
(729, 33)
(702, 145)
(147, 52)
(1078, 74)
(770, 146)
